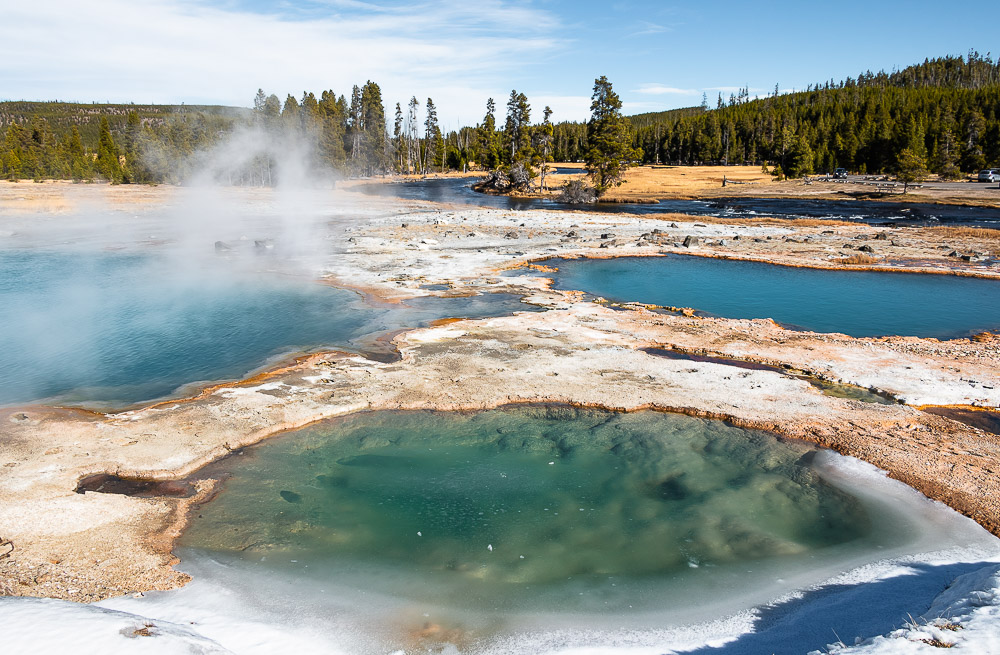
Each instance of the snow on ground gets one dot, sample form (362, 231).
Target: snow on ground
(43, 626)
(965, 617)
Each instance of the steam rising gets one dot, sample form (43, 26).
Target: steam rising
(71, 281)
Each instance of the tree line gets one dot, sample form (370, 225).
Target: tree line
(945, 111)
(118, 143)
(349, 135)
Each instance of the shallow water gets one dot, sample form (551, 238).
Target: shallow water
(858, 303)
(459, 191)
(495, 521)
(113, 329)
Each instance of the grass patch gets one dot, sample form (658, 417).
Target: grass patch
(858, 259)
(984, 233)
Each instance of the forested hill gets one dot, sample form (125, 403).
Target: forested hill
(945, 110)
(942, 114)
(61, 117)
(75, 140)
(648, 119)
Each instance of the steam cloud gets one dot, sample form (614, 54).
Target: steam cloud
(67, 278)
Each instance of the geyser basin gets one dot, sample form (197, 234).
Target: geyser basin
(858, 303)
(113, 329)
(542, 517)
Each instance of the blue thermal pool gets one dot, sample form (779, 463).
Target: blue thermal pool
(115, 329)
(858, 303)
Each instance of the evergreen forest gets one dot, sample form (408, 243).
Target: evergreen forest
(945, 112)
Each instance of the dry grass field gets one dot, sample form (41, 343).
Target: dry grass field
(649, 183)
(652, 183)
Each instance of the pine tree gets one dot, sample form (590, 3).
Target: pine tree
(131, 149)
(259, 103)
(516, 127)
(800, 158)
(432, 135)
(412, 140)
(910, 168)
(272, 108)
(354, 129)
(489, 142)
(290, 113)
(310, 116)
(78, 162)
(609, 138)
(108, 164)
(544, 146)
(398, 138)
(373, 129)
(333, 125)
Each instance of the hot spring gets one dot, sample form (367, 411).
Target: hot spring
(116, 328)
(858, 303)
(386, 529)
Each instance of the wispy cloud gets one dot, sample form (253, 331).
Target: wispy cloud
(647, 27)
(660, 89)
(168, 51)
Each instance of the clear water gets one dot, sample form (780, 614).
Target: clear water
(858, 303)
(551, 509)
(114, 329)
(503, 530)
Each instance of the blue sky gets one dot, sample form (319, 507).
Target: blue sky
(659, 55)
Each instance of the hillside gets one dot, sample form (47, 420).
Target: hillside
(61, 117)
(652, 118)
(943, 113)
(946, 111)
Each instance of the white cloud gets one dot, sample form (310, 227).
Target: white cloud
(163, 51)
(660, 89)
(646, 27)
(564, 108)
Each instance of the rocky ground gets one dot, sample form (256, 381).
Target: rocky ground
(90, 546)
